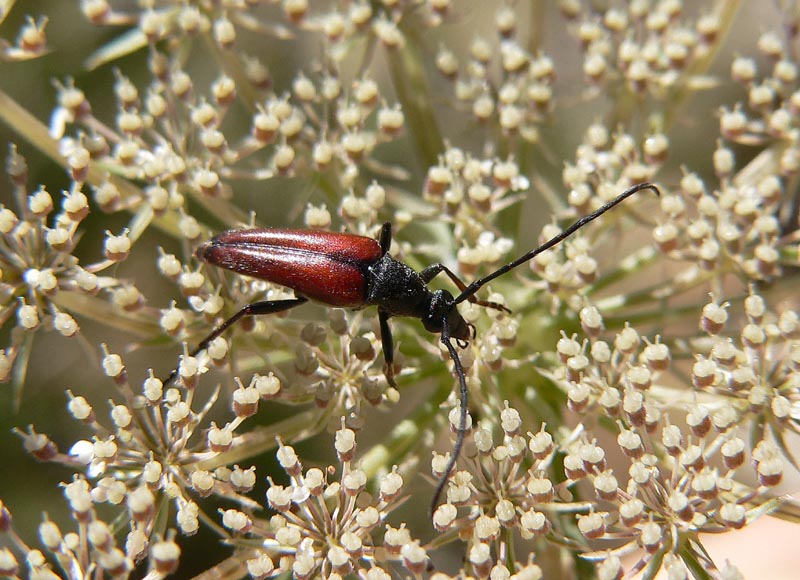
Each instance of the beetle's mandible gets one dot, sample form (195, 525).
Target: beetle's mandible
(350, 271)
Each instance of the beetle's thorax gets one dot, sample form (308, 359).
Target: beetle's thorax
(398, 290)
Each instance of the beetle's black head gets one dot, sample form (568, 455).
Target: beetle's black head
(443, 308)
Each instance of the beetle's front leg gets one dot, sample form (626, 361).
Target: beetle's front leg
(434, 270)
(388, 348)
(253, 309)
(463, 415)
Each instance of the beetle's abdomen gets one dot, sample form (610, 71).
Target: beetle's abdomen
(323, 266)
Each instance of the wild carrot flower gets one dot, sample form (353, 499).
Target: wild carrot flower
(325, 527)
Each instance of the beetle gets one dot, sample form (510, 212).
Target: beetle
(351, 271)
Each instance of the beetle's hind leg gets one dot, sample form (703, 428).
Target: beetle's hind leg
(253, 309)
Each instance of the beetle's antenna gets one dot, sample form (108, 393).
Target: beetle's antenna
(462, 417)
(476, 285)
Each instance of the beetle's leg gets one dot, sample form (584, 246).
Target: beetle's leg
(434, 270)
(462, 417)
(388, 348)
(253, 309)
(385, 239)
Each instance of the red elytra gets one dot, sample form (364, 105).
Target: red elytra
(325, 267)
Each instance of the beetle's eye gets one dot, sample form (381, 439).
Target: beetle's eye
(432, 323)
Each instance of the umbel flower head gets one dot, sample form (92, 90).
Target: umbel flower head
(90, 548)
(39, 266)
(326, 523)
(682, 477)
(156, 446)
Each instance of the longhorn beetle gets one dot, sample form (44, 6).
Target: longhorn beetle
(350, 271)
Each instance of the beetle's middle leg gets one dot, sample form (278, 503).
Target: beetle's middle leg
(387, 343)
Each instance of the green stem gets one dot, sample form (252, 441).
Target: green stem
(536, 26)
(298, 427)
(630, 265)
(143, 324)
(613, 322)
(407, 70)
(726, 11)
(36, 133)
(230, 61)
(20, 370)
(406, 434)
(689, 558)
